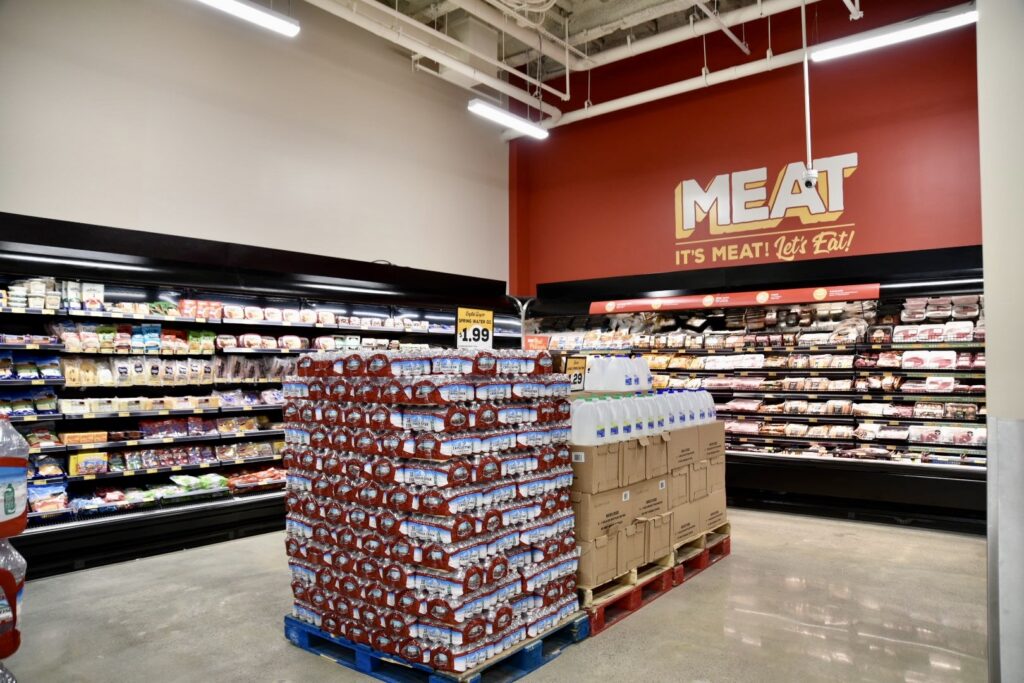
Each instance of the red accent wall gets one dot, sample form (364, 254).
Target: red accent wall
(596, 199)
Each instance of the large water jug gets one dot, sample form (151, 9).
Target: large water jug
(596, 370)
(643, 370)
(582, 422)
(668, 409)
(616, 418)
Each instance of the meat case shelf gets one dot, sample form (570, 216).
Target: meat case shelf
(835, 409)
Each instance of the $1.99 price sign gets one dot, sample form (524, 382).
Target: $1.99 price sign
(474, 329)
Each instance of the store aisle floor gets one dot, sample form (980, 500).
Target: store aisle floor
(800, 599)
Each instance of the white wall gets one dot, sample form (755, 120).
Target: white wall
(168, 116)
(1000, 112)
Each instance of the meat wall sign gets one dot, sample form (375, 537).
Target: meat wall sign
(739, 218)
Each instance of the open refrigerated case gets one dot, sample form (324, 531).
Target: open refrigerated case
(871, 407)
(150, 389)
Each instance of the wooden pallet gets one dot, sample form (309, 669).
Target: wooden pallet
(694, 556)
(525, 658)
(613, 602)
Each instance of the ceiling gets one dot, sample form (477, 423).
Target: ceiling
(591, 25)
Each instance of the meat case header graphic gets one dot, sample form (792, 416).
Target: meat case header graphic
(737, 217)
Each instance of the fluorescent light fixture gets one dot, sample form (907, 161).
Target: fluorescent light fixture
(935, 283)
(439, 316)
(370, 314)
(355, 290)
(926, 25)
(498, 115)
(257, 14)
(99, 265)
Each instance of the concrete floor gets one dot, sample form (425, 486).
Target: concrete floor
(799, 599)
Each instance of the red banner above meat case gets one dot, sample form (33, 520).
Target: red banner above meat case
(739, 299)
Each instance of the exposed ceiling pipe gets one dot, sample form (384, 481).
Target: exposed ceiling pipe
(434, 11)
(348, 12)
(753, 68)
(725, 29)
(641, 16)
(684, 86)
(700, 28)
(551, 46)
(854, 7)
(417, 65)
(371, 7)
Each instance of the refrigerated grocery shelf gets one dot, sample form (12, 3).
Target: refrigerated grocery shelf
(865, 461)
(32, 347)
(45, 417)
(165, 440)
(889, 396)
(846, 419)
(31, 382)
(212, 464)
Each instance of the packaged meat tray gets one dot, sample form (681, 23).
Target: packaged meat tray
(869, 409)
(899, 411)
(891, 359)
(742, 428)
(928, 411)
(796, 429)
(743, 405)
(866, 432)
(961, 411)
(939, 385)
(795, 407)
(838, 407)
(931, 333)
(773, 429)
(913, 360)
(840, 432)
(958, 330)
(924, 434)
(903, 334)
(892, 433)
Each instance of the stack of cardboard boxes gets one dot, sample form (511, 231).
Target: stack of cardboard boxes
(635, 501)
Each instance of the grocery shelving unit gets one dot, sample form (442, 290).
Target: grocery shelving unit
(930, 484)
(64, 540)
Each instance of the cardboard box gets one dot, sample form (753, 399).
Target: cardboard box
(712, 440)
(659, 536)
(595, 468)
(683, 446)
(698, 480)
(656, 455)
(632, 463)
(650, 497)
(679, 487)
(631, 548)
(599, 514)
(685, 523)
(716, 473)
(713, 512)
(598, 560)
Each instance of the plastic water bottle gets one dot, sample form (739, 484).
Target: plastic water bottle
(13, 480)
(12, 586)
(668, 408)
(616, 418)
(595, 376)
(582, 422)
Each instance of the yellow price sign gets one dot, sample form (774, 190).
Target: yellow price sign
(474, 329)
(576, 368)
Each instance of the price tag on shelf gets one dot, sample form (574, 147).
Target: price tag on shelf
(167, 439)
(133, 442)
(88, 477)
(17, 310)
(576, 368)
(38, 382)
(30, 418)
(31, 347)
(175, 468)
(128, 473)
(474, 329)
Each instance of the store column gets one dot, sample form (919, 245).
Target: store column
(1000, 117)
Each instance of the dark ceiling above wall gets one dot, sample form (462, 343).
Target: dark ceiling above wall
(42, 246)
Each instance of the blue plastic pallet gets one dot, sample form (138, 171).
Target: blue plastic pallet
(512, 665)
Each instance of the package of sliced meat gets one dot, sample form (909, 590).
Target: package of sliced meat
(743, 405)
(941, 360)
(796, 429)
(818, 432)
(840, 385)
(844, 361)
(867, 360)
(866, 432)
(928, 411)
(869, 409)
(939, 385)
(840, 432)
(880, 334)
(838, 407)
(902, 334)
(914, 360)
(900, 411)
(924, 434)
(773, 429)
(931, 333)
(795, 407)
(958, 330)
(891, 433)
